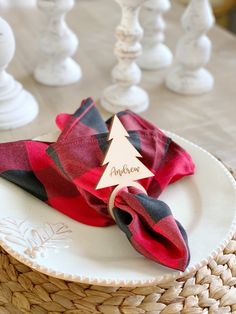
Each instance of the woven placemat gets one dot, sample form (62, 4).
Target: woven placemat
(212, 290)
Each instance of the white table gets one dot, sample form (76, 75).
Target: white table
(208, 120)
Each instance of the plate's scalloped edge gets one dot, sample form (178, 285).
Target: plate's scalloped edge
(136, 283)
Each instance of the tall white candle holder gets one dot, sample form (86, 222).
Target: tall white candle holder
(125, 94)
(17, 106)
(156, 54)
(57, 45)
(189, 76)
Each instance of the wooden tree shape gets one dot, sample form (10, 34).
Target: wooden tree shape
(123, 166)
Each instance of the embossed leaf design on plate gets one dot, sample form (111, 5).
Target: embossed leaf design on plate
(35, 239)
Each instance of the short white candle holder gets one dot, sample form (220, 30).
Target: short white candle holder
(17, 106)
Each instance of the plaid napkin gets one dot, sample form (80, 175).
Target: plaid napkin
(64, 174)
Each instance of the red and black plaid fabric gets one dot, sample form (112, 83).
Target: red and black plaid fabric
(64, 174)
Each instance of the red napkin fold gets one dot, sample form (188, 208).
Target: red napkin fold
(65, 173)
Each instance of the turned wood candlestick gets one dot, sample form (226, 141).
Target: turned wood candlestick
(57, 44)
(17, 106)
(189, 76)
(155, 54)
(125, 94)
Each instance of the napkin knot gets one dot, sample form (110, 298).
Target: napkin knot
(117, 190)
(150, 227)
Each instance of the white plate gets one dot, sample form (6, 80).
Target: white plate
(54, 244)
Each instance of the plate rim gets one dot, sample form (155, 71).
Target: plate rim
(136, 283)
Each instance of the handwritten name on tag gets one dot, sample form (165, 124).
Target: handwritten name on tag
(123, 171)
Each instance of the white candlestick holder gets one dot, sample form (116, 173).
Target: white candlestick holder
(57, 45)
(17, 106)
(125, 94)
(156, 54)
(189, 76)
